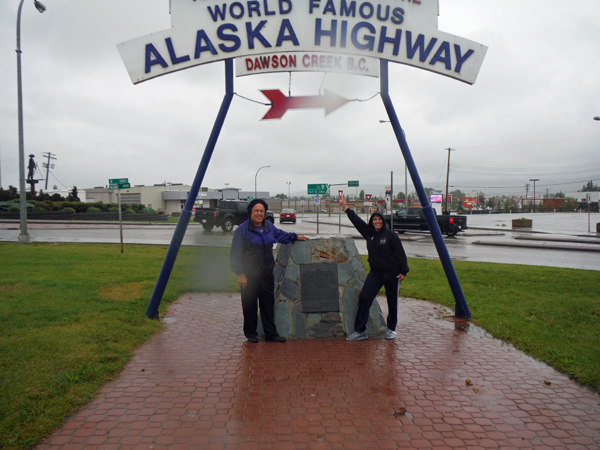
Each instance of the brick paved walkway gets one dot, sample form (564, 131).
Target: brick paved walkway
(200, 385)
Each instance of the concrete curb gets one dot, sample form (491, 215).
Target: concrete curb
(541, 245)
(573, 239)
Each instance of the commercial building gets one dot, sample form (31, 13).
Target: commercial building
(167, 197)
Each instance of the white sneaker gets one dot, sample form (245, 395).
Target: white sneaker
(389, 334)
(356, 336)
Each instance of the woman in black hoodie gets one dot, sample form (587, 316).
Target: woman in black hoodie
(389, 267)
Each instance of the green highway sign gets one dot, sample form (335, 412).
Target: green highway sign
(353, 183)
(112, 187)
(250, 198)
(118, 181)
(314, 189)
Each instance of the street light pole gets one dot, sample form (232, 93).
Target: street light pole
(405, 172)
(255, 191)
(447, 177)
(23, 236)
(534, 180)
(288, 183)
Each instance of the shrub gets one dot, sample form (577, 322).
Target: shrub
(93, 209)
(14, 209)
(71, 210)
(129, 211)
(79, 207)
(113, 209)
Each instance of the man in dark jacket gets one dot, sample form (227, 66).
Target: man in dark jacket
(389, 267)
(251, 258)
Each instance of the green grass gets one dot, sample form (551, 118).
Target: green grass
(71, 315)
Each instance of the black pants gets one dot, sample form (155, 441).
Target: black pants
(373, 283)
(261, 288)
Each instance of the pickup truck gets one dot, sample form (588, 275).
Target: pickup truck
(228, 214)
(413, 219)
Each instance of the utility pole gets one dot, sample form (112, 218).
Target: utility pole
(534, 180)
(447, 177)
(392, 200)
(49, 156)
(526, 193)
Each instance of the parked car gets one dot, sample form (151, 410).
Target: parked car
(228, 214)
(287, 215)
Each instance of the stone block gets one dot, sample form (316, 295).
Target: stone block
(291, 322)
(300, 253)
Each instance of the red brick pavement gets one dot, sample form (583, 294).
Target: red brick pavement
(199, 385)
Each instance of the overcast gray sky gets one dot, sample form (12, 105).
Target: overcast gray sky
(529, 115)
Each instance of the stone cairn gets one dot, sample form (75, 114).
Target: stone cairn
(291, 262)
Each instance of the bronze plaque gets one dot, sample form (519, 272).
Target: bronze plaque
(319, 286)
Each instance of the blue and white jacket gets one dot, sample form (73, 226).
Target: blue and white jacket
(252, 250)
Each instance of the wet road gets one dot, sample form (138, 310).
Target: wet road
(489, 238)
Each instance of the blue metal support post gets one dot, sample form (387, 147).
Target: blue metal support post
(461, 308)
(186, 213)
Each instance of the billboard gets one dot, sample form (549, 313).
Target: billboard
(208, 31)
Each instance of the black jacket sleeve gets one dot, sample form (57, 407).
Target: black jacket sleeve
(400, 254)
(361, 226)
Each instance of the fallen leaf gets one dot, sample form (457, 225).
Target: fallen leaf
(399, 412)
(468, 382)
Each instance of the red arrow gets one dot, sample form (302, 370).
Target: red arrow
(280, 103)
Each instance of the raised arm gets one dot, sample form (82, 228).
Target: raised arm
(358, 223)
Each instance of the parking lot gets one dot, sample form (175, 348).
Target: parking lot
(479, 243)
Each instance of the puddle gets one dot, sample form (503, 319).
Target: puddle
(462, 325)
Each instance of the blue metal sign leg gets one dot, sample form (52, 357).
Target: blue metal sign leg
(186, 213)
(461, 308)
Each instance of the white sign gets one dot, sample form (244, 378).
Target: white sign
(214, 30)
(317, 200)
(306, 62)
(367, 203)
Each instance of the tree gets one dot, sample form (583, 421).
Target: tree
(568, 204)
(590, 187)
(491, 202)
(72, 197)
(8, 194)
(281, 196)
(361, 195)
(510, 203)
(481, 199)
(456, 202)
(400, 196)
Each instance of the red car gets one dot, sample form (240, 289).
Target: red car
(287, 215)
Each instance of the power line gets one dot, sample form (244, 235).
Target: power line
(59, 182)
(520, 186)
(522, 144)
